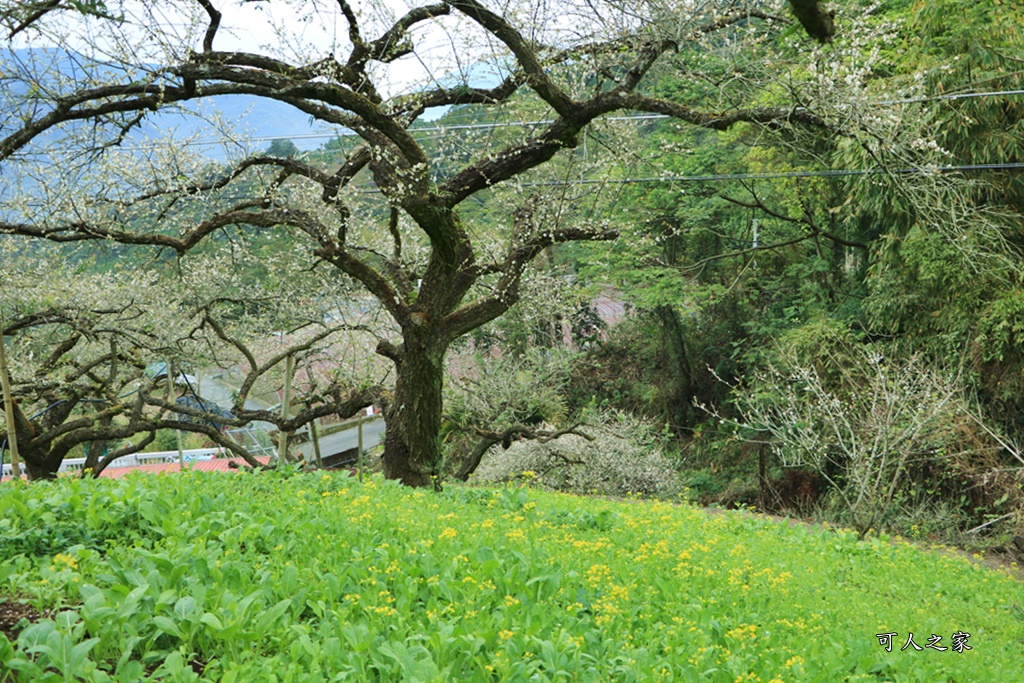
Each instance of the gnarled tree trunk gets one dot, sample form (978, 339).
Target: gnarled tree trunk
(39, 460)
(41, 463)
(412, 448)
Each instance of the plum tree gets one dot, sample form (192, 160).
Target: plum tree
(435, 276)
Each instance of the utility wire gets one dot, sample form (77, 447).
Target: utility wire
(638, 117)
(326, 135)
(831, 173)
(954, 96)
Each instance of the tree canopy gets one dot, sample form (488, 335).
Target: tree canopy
(410, 248)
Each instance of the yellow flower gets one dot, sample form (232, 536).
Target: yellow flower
(68, 561)
(597, 574)
(741, 632)
(449, 533)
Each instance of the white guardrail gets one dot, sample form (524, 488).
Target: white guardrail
(137, 459)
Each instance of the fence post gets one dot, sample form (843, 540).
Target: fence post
(316, 444)
(172, 379)
(289, 370)
(5, 381)
(359, 452)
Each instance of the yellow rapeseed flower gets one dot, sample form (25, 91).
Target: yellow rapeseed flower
(597, 574)
(68, 561)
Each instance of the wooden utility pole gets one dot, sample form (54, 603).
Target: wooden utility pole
(359, 452)
(5, 382)
(289, 370)
(316, 444)
(172, 382)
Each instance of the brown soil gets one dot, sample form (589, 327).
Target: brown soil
(12, 612)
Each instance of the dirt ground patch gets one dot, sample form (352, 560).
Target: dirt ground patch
(12, 613)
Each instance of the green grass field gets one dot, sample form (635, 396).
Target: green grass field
(314, 577)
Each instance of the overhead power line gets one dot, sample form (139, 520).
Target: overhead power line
(830, 173)
(637, 117)
(710, 178)
(328, 135)
(955, 96)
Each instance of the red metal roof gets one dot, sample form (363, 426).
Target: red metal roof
(216, 465)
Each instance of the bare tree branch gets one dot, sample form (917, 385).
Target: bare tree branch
(211, 29)
(816, 20)
(489, 438)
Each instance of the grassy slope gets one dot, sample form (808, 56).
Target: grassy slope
(316, 577)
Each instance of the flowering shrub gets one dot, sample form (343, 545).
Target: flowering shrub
(623, 456)
(881, 431)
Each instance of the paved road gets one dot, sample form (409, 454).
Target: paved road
(373, 434)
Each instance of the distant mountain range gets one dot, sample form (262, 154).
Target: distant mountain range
(257, 119)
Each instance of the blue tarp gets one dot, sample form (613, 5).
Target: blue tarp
(193, 401)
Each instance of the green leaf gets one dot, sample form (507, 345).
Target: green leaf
(167, 626)
(271, 615)
(212, 621)
(79, 654)
(185, 607)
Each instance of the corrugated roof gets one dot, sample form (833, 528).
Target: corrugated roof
(216, 465)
